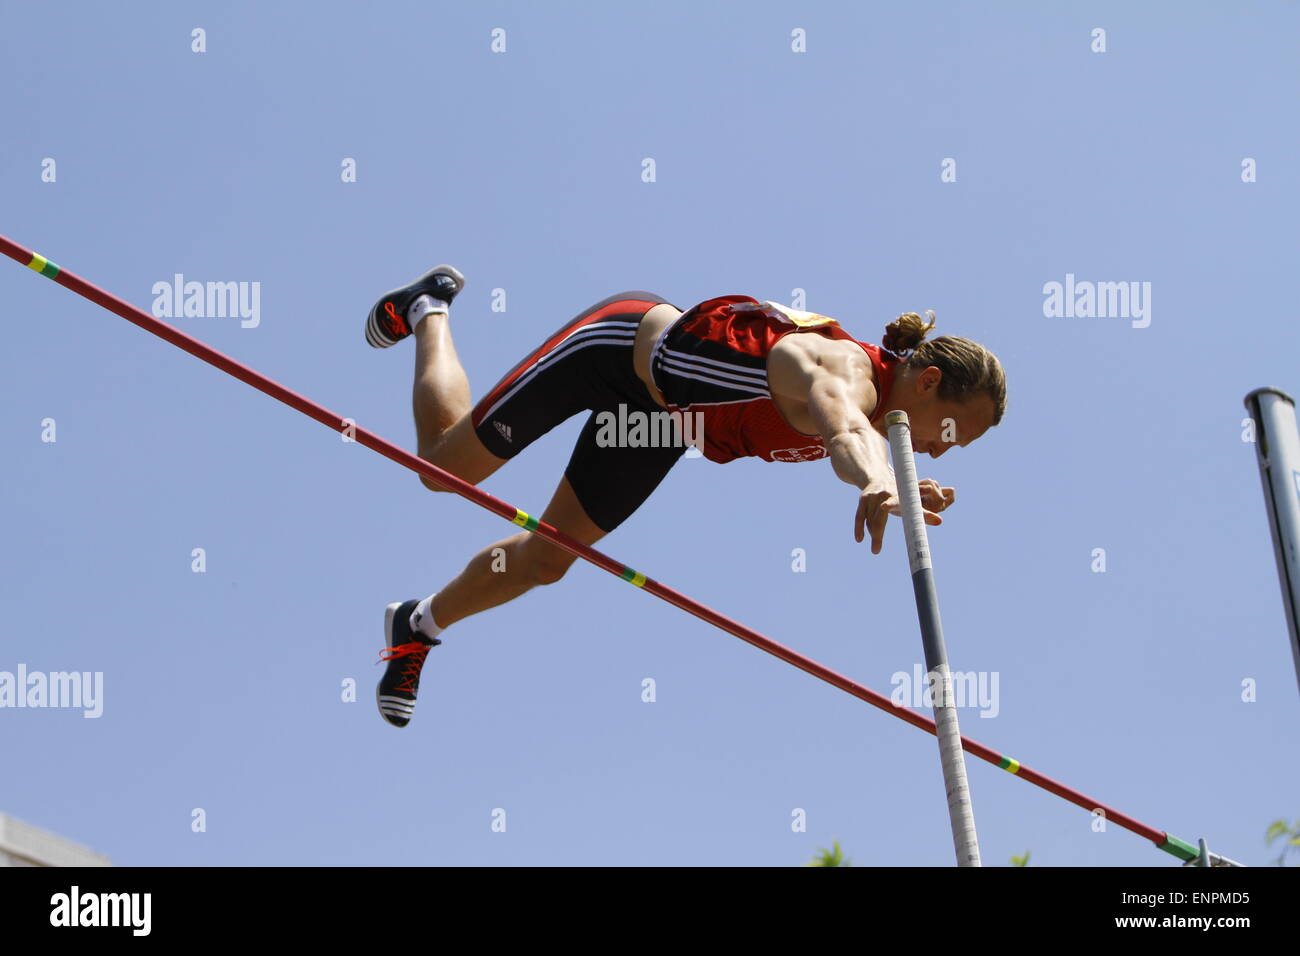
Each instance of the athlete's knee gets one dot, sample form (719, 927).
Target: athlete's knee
(459, 452)
(426, 480)
(431, 484)
(547, 564)
(551, 571)
(433, 452)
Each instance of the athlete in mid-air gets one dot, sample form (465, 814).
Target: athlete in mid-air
(766, 380)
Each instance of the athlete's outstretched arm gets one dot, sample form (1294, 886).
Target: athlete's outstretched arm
(840, 396)
(857, 453)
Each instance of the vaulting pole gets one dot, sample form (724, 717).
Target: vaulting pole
(961, 815)
(1277, 446)
(1162, 840)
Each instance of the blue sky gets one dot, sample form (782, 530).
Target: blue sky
(775, 171)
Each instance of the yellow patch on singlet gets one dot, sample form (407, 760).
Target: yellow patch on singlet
(804, 320)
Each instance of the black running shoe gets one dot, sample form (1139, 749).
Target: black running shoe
(387, 324)
(406, 652)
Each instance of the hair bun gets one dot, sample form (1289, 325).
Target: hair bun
(906, 332)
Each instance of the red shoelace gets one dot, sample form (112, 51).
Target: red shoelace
(417, 651)
(399, 324)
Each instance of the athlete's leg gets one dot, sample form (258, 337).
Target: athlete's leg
(503, 571)
(602, 486)
(531, 399)
(441, 403)
(586, 364)
(441, 391)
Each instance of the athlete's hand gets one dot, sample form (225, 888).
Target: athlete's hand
(935, 497)
(880, 499)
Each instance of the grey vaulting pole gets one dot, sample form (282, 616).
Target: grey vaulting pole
(960, 814)
(1277, 445)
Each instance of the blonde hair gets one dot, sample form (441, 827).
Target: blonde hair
(969, 369)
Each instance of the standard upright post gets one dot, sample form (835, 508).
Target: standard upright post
(1278, 447)
(960, 814)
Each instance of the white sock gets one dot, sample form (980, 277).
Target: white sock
(425, 305)
(422, 618)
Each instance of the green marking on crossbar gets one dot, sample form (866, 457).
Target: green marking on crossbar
(1176, 847)
(44, 266)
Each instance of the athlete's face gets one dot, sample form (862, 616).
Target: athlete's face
(938, 424)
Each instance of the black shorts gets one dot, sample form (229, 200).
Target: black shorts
(585, 366)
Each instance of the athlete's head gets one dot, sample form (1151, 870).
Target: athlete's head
(952, 389)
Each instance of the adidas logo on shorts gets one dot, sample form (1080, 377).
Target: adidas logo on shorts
(503, 429)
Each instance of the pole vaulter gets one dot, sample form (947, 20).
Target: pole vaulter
(1162, 840)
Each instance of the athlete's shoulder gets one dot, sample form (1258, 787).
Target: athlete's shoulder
(831, 332)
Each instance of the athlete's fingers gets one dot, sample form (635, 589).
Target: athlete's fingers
(878, 520)
(927, 515)
(877, 527)
(866, 507)
(934, 496)
(930, 517)
(929, 489)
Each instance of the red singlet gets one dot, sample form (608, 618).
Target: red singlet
(713, 360)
